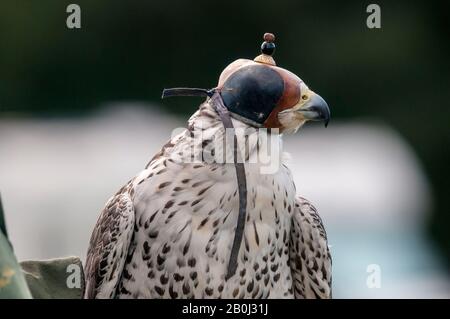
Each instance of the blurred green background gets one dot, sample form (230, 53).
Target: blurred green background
(132, 50)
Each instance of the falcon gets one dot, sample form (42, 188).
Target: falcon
(214, 214)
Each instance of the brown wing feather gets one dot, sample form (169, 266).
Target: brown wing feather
(108, 247)
(309, 255)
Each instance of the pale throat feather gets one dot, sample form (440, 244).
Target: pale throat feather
(260, 148)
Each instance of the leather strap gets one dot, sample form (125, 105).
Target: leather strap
(224, 114)
(187, 92)
(217, 103)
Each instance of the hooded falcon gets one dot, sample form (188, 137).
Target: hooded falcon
(215, 213)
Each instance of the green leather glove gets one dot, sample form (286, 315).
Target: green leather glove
(12, 280)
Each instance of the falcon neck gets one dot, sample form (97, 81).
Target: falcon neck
(209, 137)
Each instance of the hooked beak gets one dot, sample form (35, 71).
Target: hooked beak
(315, 109)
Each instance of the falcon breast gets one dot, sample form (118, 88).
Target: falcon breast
(168, 232)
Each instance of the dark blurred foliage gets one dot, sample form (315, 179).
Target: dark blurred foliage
(131, 50)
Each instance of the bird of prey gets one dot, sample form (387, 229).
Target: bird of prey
(172, 230)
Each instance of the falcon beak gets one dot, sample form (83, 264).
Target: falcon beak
(315, 109)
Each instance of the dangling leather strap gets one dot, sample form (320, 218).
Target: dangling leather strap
(224, 114)
(217, 102)
(187, 92)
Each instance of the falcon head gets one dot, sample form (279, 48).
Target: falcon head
(261, 94)
(310, 107)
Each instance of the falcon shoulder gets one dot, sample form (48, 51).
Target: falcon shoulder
(310, 258)
(108, 248)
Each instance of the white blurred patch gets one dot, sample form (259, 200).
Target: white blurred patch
(359, 173)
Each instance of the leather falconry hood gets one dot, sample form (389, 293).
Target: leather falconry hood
(253, 91)
(256, 90)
